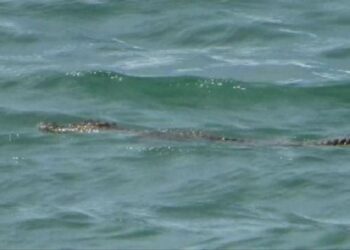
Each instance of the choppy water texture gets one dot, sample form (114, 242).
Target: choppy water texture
(272, 70)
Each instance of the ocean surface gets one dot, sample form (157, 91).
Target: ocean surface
(272, 72)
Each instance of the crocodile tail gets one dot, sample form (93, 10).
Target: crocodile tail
(336, 142)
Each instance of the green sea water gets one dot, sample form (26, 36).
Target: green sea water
(271, 72)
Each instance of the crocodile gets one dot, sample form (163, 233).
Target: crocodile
(99, 126)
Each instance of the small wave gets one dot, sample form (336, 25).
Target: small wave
(63, 219)
(301, 219)
(227, 33)
(76, 8)
(12, 32)
(337, 53)
(264, 62)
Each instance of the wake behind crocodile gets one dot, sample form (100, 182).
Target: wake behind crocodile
(178, 134)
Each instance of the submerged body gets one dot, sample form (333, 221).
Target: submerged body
(97, 127)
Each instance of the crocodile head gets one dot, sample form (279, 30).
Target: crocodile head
(82, 127)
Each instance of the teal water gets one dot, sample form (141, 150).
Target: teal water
(266, 71)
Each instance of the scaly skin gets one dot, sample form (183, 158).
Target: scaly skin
(336, 142)
(83, 127)
(97, 127)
